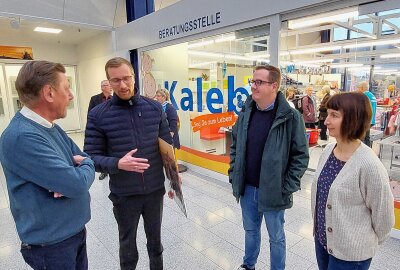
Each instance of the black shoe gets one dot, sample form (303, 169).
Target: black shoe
(244, 267)
(102, 176)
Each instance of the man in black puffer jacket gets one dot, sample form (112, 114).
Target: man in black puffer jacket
(122, 139)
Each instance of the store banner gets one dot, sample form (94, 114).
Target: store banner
(12, 52)
(225, 119)
(214, 97)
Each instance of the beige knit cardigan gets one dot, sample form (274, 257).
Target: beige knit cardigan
(360, 209)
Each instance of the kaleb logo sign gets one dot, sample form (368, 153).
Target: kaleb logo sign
(214, 98)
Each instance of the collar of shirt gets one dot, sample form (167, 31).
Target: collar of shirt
(269, 107)
(28, 113)
(106, 98)
(164, 105)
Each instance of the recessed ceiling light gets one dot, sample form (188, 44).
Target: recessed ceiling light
(337, 15)
(372, 43)
(47, 30)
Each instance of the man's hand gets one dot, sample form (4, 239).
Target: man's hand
(57, 195)
(78, 159)
(132, 164)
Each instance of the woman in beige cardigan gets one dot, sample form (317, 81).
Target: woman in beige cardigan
(351, 201)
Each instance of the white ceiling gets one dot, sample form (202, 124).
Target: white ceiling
(159, 4)
(79, 20)
(95, 13)
(71, 34)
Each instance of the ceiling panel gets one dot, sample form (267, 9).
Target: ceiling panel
(95, 13)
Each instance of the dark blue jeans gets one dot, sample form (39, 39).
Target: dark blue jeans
(328, 262)
(69, 254)
(127, 212)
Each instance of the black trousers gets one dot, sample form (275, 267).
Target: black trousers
(323, 128)
(127, 212)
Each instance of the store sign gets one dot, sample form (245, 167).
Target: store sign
(225, 119)
(214, 98)
(185, 27)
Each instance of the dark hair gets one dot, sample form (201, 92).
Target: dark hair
(357, 113)
(33, 76)
(274, 73)
(116, 62)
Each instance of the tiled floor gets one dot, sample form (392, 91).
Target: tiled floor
(210, 238)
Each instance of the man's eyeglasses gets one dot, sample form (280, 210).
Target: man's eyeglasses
(258, 82)
(117, 81)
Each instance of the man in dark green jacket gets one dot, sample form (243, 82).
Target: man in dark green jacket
(269, 155)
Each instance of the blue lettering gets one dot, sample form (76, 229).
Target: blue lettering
(199, 94)
(214, 97)
(232, 94)
(218, 100)
(188, 100)
(171, 93)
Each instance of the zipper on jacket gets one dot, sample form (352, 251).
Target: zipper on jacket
(137, 135)
(144, 186)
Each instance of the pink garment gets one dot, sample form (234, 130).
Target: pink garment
(308, 110)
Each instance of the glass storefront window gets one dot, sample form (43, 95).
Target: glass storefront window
(207, 80)
(343, 51)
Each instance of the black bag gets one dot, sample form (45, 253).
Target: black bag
(298, 104)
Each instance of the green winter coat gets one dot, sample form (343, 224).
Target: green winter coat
(285, 156)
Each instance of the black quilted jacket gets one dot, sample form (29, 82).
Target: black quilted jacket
(118, 126)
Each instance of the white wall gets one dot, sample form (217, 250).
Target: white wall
(65, 54)
(93, 55)
(171, 64)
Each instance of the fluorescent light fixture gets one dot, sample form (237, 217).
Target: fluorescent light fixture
(316, 49)
(372, 43)
(390, 55)
(386, 71)
(258, 54)
(225, 38)
(47, 30)
(203, 64)
(200, 44)
(206, 54)
(338, 15)
(227, 56)
(322, 60)
(346, 65)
